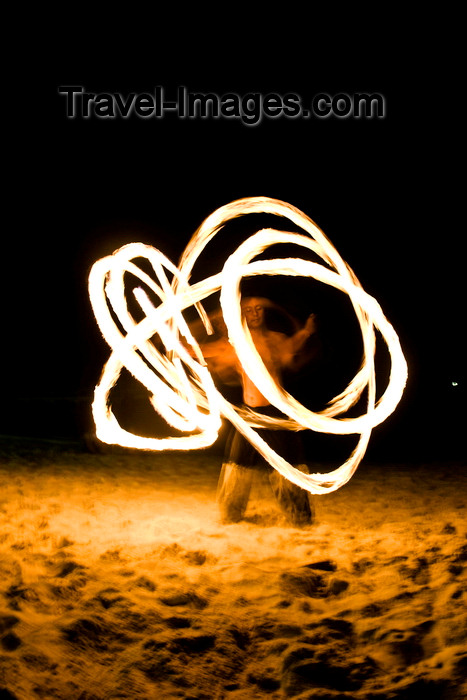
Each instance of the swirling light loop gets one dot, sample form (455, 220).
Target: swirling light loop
(189, 400)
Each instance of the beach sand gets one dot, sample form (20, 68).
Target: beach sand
(117, 580)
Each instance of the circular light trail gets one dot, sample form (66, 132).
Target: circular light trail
(180, 386)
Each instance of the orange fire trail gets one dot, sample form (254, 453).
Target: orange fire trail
(180, 386)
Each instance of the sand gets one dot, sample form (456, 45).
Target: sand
(117, 580)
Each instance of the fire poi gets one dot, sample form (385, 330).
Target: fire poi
(179, 384)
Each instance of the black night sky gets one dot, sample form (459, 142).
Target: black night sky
(377, 188)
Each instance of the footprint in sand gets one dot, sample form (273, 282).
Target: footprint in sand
(305, 581)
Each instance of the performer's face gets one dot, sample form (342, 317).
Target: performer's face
(253, 311)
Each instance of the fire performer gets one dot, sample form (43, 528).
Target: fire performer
(279, 352)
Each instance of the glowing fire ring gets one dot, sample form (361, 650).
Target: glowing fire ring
(189, 400)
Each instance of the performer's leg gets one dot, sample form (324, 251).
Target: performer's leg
(234, 491)
(293, 500)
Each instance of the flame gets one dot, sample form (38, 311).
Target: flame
(180, 386)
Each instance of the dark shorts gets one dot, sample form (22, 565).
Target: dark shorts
(287, 443)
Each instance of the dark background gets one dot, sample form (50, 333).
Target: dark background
(382, 190)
